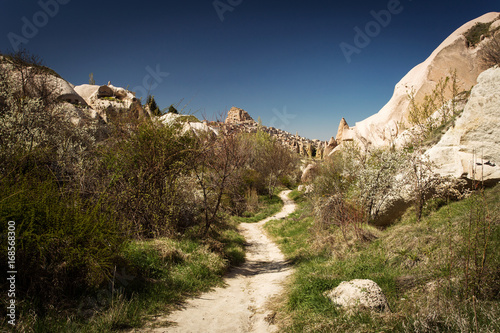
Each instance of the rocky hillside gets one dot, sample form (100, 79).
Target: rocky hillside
(455, 53)
(239, 120)
(469, 148)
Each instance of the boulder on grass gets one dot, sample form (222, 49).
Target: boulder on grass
(357, 294)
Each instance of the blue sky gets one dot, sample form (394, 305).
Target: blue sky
(280, 60)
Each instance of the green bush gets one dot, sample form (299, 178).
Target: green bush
(474, 34)
(63, 246)
(149, 190)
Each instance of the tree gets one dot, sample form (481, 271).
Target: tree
(270, 159)
(153, 107)
(443, 99)
(216, 165)
(172, 109)
(420, 179)
(377, 180)
(147, 171)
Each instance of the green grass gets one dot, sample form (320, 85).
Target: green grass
(267, 207)
(112, 99)
(188, 118)
(404, 260)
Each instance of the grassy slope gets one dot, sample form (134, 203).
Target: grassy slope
(418, 265)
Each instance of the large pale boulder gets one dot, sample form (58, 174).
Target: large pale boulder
(87, 91)
(453, 54)
(359, 294)
(471, 149)
(309, 173)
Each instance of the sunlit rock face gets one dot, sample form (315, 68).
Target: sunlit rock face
(454, 54)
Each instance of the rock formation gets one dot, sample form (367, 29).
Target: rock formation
(330, 146)
(471, 149)
(359, 294)
(343, 127)
(238, 116)
(452, 54)
(239, 120)
(109, 101)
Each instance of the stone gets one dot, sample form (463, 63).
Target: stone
(495, 25)
(309, 173)
(104, 91)
(343, 126)
(359, 294)
(471, 149)
(237, 115)
(330, 146)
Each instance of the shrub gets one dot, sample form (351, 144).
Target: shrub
(474, 34)
(336, 211)
(490, 54)
(64, 242)
(146, 181)
(63, 245)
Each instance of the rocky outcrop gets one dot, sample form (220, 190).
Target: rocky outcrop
(35, 77)
(453, 54)
(196, 127)
(330, 146)
(358, 294)
(343, 126)
(471, 149)
(238, 116)
(110, 101)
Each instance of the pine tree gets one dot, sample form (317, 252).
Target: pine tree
(153, 107)
(172, 109)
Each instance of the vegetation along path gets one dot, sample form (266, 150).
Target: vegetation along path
(240, 306)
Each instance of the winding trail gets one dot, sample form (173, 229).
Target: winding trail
(240, 306)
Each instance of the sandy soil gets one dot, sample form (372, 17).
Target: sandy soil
(240, 306)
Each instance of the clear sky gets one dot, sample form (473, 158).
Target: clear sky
(284, 61)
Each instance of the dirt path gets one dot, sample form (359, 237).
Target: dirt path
(241, 305)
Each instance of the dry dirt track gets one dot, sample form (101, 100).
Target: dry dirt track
(240, 306)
